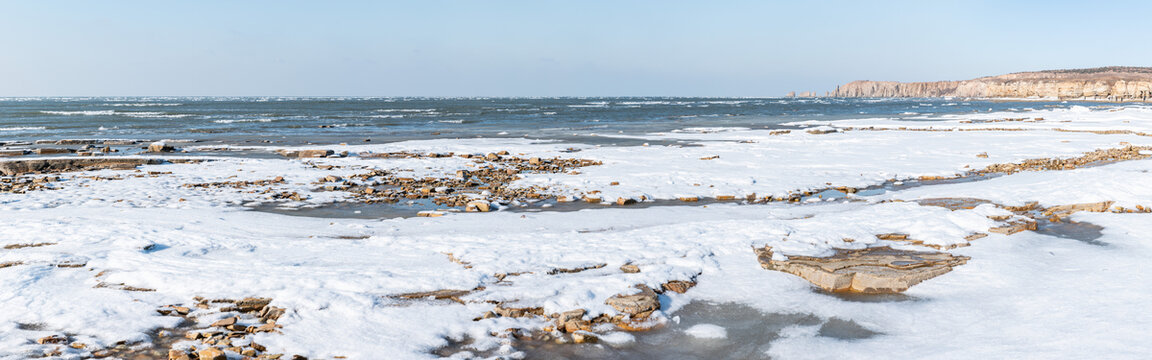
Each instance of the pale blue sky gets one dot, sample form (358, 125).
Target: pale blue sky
(544, 48)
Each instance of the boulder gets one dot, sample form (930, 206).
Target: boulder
(640, 303)
(880, 270)
(160, 146)
(477, 206)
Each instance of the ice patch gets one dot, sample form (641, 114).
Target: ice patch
(707, 331)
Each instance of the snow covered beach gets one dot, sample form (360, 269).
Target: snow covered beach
(99, 259)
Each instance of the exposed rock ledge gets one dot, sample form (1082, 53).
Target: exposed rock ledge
(17, 167)
(1112, 83)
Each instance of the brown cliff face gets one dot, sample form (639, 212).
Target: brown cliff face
(1107, 83)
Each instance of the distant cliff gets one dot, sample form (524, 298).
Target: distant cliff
(1113, 83)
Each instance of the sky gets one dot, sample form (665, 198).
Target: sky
(544, 48)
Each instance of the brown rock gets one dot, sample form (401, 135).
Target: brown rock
(872, 270)
(629, 268)
(678, 286)
(226, 321)
(625, 201)
(47, 151)
(17, 167)
(477, 206)
(52, 339)
(211, 353)
(642, 302)
(1013, 227)
(160, 146)
(252, 304)
(175, 354)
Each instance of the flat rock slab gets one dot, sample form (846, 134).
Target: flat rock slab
(880, 270)
(17, 167)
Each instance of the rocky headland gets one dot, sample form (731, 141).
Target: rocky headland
(1114, 83)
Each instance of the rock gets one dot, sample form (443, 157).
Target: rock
(1065, 210)
(678, 286)
(160, 146)
(629, 268)
(582, 337)
(436, 294)
(430, 213)
(10, 153)
(252, 304)
(52, 339)
(573, 321)
(332, 178)
(643, 302)
(725, 197)
(211, 353)
(592, 200)
(625, 201)
(881, 270)
(267, 327)
(689, 199)
(492, 157)
(17, 167)
(175, 354)
(226, 321)
(317, 153)
(477, 206)
(48, 151)
(534, 161)
(1013, 227)
(517, 312)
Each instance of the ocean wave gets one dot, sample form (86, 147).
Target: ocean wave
(83, 112)
(405, 110)
(152, 114)
(230, 121)
(386, 116)
(459, 121)
(22, 128)
(145, 104)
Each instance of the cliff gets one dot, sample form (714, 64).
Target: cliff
(1107, 83)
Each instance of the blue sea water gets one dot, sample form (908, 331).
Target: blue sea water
(290, 121)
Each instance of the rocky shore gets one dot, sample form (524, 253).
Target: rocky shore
(507, 247)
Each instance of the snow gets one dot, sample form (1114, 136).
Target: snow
(1026, 295)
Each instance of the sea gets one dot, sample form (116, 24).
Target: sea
(329, 120)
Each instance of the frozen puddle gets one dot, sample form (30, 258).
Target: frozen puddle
(1076, 230)
(699, 330)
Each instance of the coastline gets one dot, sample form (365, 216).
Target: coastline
(712, 216)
